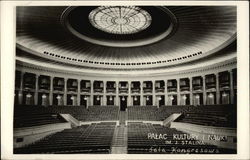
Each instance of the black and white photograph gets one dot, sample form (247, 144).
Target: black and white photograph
(125, 79)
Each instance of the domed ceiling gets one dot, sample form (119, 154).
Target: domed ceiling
(125, 37)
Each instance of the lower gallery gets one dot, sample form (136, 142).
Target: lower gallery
(125, 80)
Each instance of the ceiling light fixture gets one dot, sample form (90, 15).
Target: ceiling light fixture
(120, 19)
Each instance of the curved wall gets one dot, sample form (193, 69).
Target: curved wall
(173, 87)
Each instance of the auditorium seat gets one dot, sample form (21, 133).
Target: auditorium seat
(142, 113)
(219, 116)
(34, 116)
(166, 111)
(94, 138)
(93, 113)
(120, 71)
(140, 143)
(101, 113)
(152, 113)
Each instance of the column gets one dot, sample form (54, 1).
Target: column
(51, 91)
(117, 93)
(20, 93)
(36, 91)
(78, 92)
(129, 93)
(155, 102)
(165, 92)
(191, 90)
(91, 92)
(65, 91)
(141, 95)
(104, 93)
(231, 87)
(178, 92)
(217, 88)
(204, 90)
(101, 100)
(87, 102)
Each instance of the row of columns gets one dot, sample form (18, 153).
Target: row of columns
(129, 95)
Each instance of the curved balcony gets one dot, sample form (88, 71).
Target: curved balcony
(159, 89)
(147, 90)
(85, 90)
(110, 90)
(135, 90)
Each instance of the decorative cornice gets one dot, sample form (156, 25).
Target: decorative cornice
(211, 69)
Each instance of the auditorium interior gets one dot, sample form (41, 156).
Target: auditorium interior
(125, 80)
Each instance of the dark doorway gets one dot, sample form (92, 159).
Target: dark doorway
(198, 99)
(28, 98)
(123, 103)
(149, 101)
(110, 100)
(43, 99)
(225, 97)
(136, 100)
(174, 102)
(83, 101)
(97, 100)
(161, 101)
(188, 99)
(58, 99)
(69, 99)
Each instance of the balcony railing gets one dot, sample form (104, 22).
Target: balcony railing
(159, 89)
(98, 90)
(85, 89)
(147, 90)
(123, 90)
(197, 87)
(184, 88)
(224, 86)
(172, 89)
(58, 87)
(44, 86)
(110, 90)
(135, 90)
(210, 85)
(29, 86)
(72, 89)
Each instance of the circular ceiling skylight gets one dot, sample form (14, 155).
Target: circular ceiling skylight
(120, 19)
(120, 26)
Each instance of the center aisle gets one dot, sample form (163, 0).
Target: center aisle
(119, 143)
(123, 116)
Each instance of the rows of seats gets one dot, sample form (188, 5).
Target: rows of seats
(78, 112)
(94, 138)
(166, 111)
(97, 138)
(152, 113)
(103, 113)
(219, 116)
(93, 113)
(139, 142)
(142, 113)
(34, 116)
